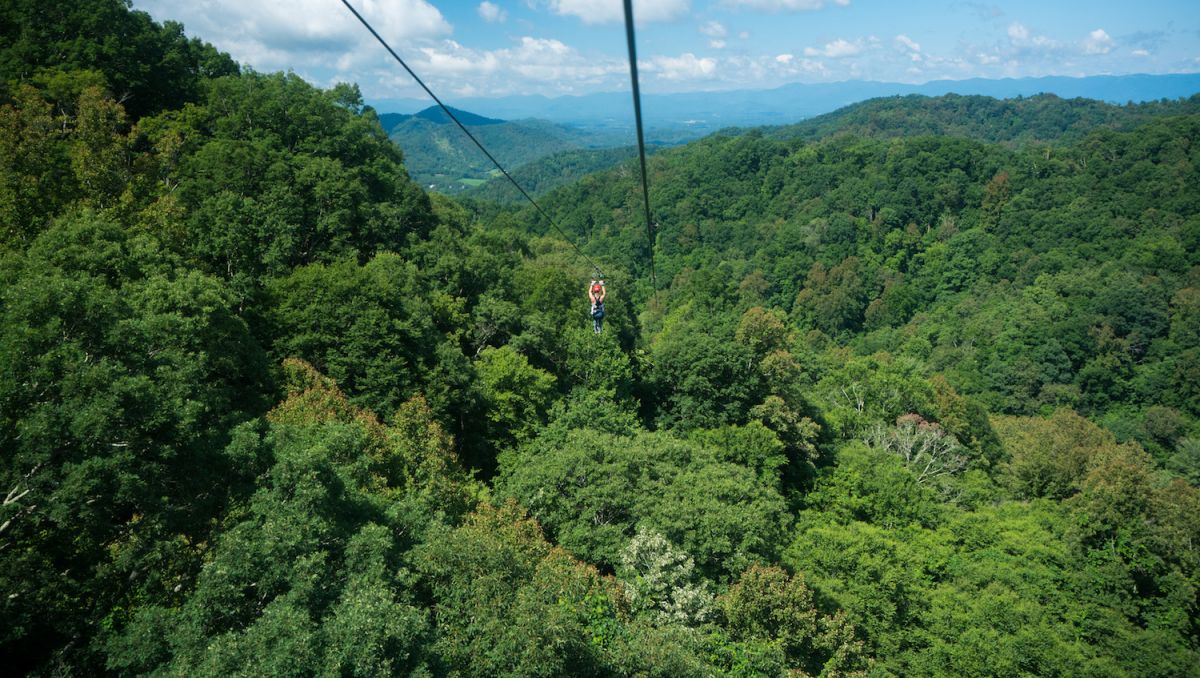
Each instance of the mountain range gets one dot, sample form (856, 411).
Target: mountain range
(440, 157)
(697, 113)
(542, 155)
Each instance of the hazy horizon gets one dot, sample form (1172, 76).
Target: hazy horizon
(577, 47)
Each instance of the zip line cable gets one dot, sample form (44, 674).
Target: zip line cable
(477, 143)
(637, 113)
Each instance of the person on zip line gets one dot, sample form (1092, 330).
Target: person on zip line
(596, 294)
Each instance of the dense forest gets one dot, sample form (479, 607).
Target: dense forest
(440, 157)
(1022, 120)
(546, 174)
(903, 404)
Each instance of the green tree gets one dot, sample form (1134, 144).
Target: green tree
(124, 374)
(1003, 605)
(515, 394)
(834, 299)
(873, 485)
(280, 174)
(304, 575)
(865, 391)
(701, 379)
(720, 513)
(368, 327)
(507, 602)
(660, 579)
(768, 605)
(1049, 457)
(98, 150)
(152, 66)
(35, 175)
(881, 578)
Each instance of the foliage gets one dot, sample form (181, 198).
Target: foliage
(881, 577)
(154, 67)
(545, 174)
(366, 326)
(702, 377)
(767, 604)
(439, 155)
(298, 579)
(660, 578)
(592, 490)
(904, 401)
(124, 374)
(507, 601)
(1044, 117)
(1050, 457)
(280, 175)
(934, 456)
(515, 393)
(872, 484)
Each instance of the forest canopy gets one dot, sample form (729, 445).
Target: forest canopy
(917, 401)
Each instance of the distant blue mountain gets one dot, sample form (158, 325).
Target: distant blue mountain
(389, 120)
(703, 112)
(435, 114)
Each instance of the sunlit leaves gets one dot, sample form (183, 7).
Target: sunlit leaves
(593, 489)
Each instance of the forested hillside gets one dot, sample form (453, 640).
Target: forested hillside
(1014, 122)
(551, 172)
(1032, 278)
(923, 405)
(442, 158)
(1044, 117)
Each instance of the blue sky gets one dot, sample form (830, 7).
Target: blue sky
(554, 47)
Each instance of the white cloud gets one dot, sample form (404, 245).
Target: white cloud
(683, 67)
(808, 67)
(1026, 42)
(302, 34)
(1097, 42)
(910, 47)
(452, 58)
(547, 47)
(533, 65)
(742, 71)
(714, 29)
(1019, 51)
(786, 5)
(492, 13)
(1140, 52)
(744, 35)
(611, 11)
(837, 49)
(551, 68)
(908, 42)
